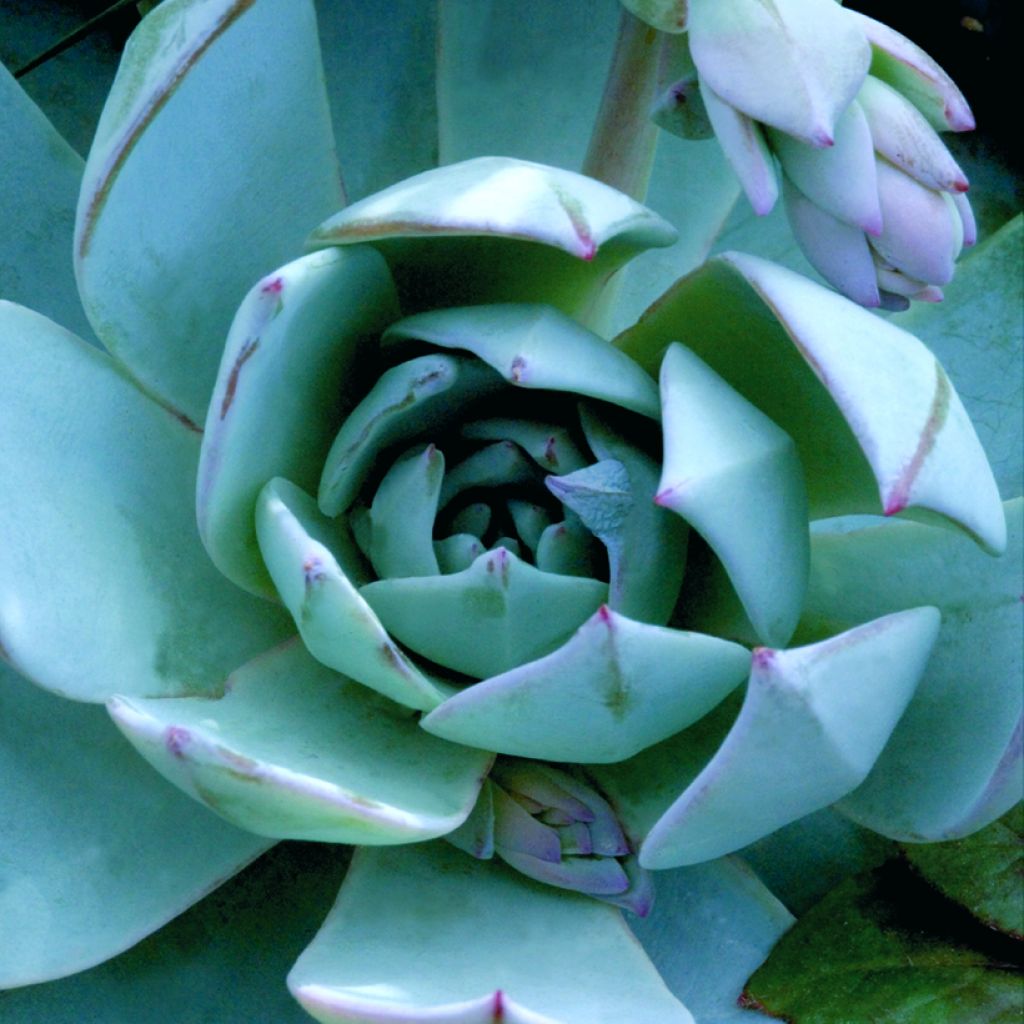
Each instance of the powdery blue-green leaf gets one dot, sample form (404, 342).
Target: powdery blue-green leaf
(381, 82)
(41, 175)
(792, 64)
(415, 396)
(488, 618)
(317, 571)
(294, 750)
(104, 586)
(488, 49)
(85, 823)
(394, 949)
(551, 446)
(814, 720)
(736, 477)
(906, 973)
(402, 516)
(853, 391)
(201, 176)
(647, 549)
(535, 346)
(977, 335)
(223, 960)
(502, 464)
(954, 761)
(294, 360)
(981, 872)
(712, 926)
(496, 229)
(615, 687)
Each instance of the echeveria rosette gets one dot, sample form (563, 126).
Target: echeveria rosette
(851, 110)
(766, 385)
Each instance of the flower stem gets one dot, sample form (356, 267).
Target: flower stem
(621, 151)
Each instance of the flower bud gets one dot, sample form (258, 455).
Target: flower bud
(555, 828)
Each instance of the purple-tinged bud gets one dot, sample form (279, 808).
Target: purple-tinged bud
(557, 829)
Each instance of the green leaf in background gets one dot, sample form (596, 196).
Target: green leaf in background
(983, 872)
(222, 962)
(878, 949)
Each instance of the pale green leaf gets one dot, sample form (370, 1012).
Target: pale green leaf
(41, 176)
(814, 720)
(96, 850)
(294, 750)
(535, 346)
(494, 229)
(200, 179)
(872, 413)
(295, 359)
(317, 572)
(615, 687)
(104, 586)
(394, 949)
(488, 618)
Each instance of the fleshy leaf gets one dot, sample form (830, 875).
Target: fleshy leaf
(791, 64)
(317, 573)
(906, 972)
(402, 516)
(615, 687)
(488, 618)
(296, 350)
(981, 872)
(736, 477)
(713, 925)
(105, 586)
(647, 551)
(496, 229)
(988, 290)
(841, 180)
(294, 750)
(909, 70)
(163, 259)
(954, 761)
(502, 464)
(385, 112)
(747, 150)
(852, 390)
(664, 15)
(549, 445)
(535, 346)
(84, 822)
(41, 175)
(394, 948)
(222, 960)
(814, 720)
(414, 396)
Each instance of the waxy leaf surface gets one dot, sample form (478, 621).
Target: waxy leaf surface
(294, 750)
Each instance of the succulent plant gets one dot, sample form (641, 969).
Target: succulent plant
(545, 618)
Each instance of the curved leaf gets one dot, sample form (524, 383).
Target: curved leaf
(814, 720)
(615, 687)
(293, 750)
(852, 390)
(393, 949)
(96, 851)
(488, 618)
(104, 586)
(179, 214)
(295, 355)
(496, 229)
(41, 176)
